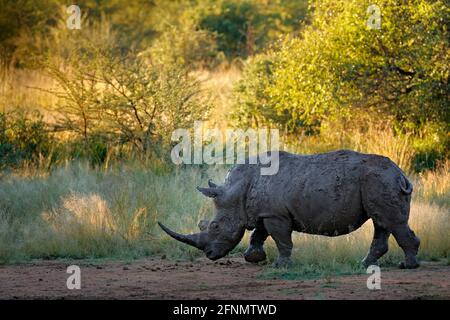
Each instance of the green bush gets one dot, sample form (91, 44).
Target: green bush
(26, 26)
(23, 137)
(339, 68)
(124, 100)
(182, 42)
(246, 27)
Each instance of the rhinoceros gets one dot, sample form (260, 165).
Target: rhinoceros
(328, 194)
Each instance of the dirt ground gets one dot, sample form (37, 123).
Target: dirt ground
(231, 278)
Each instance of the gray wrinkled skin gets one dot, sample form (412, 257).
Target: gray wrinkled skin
(327, 194)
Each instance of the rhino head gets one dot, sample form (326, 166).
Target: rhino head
(220, 235)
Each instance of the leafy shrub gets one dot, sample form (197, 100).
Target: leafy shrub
(339, 69)
(184, 43)
(246, 27)
(125, 100)
(338, 64)
(22, 137)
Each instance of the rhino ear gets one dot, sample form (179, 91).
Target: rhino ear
(210, 192)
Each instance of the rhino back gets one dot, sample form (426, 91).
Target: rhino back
(320, 194)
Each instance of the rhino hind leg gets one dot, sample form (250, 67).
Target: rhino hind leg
(409, 243)
(255, 252)
(378, 247)
(388, 205)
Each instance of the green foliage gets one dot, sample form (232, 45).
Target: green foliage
(181, 31)
(232, 24)
(339, 67)
(76, 211)
(25, 25)
(181, 41)
(80, 212)
(253, 106)
(23, 137)
(122, 83)
(19, 22)
(108, 98)
(245, 27)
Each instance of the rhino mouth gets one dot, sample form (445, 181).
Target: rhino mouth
(211, 255)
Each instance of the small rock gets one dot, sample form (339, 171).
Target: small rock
(126, 268)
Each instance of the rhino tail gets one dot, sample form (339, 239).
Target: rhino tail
(405, 185)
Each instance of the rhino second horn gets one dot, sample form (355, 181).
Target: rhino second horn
(196, 240)
(211, 184)
(210, 192)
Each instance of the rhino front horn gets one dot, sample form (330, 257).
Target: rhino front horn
(197, 240)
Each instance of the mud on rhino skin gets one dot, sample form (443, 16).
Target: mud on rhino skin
(327, 194)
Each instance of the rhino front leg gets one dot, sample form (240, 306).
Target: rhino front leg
(281, 233)
(255, 252)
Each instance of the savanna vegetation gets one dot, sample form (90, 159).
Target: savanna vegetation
(86, 114)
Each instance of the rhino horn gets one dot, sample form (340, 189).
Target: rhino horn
(211, 184)
(210, 192)
(197, 240)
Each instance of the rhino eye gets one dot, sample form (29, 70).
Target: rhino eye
(214, 226)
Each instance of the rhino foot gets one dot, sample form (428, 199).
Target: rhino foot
(254, 254)
(369, 261)
(409, 264)
(282, 262)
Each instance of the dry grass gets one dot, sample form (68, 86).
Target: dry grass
(78, 212)
(372, 138)
(18, 91)
(435, 185)
(220, 83)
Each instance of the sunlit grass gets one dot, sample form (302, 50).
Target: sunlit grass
(80, 212)
(315, 256)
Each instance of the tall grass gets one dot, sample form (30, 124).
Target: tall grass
(317, 255)
(434, 185)
(373, 137)
(220, 83)
(80, 212)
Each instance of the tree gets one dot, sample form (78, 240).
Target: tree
(125, 99)
(338, 65)
(246, 27)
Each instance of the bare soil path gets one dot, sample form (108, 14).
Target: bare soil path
(231, 278)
